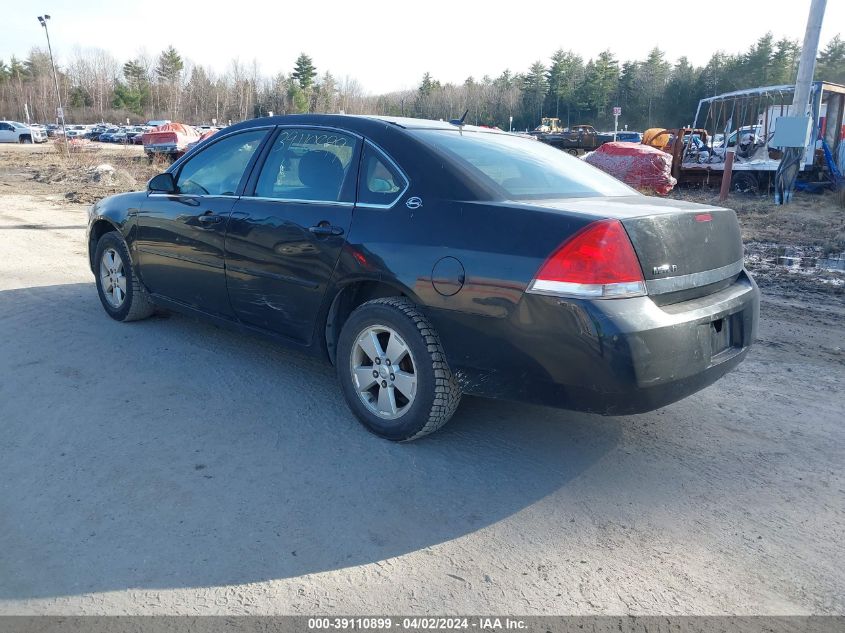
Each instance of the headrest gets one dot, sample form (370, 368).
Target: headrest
(322, 169)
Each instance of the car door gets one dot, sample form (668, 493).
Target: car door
(286, 233)
(180, 236)
(7, 134)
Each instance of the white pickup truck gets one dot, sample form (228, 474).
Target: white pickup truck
(14, 132)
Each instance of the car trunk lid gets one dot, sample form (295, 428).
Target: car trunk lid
(681, 246)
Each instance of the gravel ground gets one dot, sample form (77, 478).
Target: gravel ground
(168, 466)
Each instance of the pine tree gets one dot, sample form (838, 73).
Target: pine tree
(170, 65)
(17, 70)
(830, 65)
(785, 61)
(535, 85)
(601, 82)
(680, 98)
(426, 85)
(653, 74)
(304, 71)
(565, 73)
(134, 72)
(757, 63)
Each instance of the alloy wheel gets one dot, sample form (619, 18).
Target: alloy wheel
(383, 371)
(113, 278)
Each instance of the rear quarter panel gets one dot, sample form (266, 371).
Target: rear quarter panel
(500, 248)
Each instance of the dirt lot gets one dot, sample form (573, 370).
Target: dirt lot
(167, 466)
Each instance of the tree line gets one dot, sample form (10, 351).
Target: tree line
(95, 86)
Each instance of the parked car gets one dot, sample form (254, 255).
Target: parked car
(108, 135)
(171, 140)
(517, 272)
(628, 137)
(15, 132)
(94, 132)
(134, 134)
(121, 136)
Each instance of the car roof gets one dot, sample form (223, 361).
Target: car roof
(361, 123)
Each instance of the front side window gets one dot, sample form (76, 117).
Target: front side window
(218, 169)
(379, 182)
(523, 169)
(308, 164)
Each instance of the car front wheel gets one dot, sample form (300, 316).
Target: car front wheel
(393, 371)
(121, 294)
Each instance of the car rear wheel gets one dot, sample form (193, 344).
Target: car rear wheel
(393, 371)
(122, 296)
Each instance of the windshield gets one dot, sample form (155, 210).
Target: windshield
(523, 168)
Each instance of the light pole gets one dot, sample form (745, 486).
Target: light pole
(42, 20)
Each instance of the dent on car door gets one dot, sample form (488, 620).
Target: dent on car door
(180, 237)
(287, 231)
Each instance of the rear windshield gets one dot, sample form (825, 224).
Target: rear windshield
(525, 169)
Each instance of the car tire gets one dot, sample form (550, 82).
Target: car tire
(121, 293)
(419, 397)
(573, 152)
(24, 138)
(745, 183)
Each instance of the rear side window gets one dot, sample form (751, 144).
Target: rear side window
(308, 164)
(379, 181)
(521, 168)
(217, 170)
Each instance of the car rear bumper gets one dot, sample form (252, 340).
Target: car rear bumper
(615, 356)
(161, 148)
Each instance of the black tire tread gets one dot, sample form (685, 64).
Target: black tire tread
(447, 392)
(140, 304)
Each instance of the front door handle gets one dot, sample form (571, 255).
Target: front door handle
(324, 228)
(210, 218)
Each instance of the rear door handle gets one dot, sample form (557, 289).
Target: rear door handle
(210, 218)
(324, 228)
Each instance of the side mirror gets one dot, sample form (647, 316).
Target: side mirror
(163, 183)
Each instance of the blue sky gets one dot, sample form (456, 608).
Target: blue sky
(389, 45)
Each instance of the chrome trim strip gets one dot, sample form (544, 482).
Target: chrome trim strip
(156, 194)
(299, 201)
(693, 280)
(620, 290)
(370, 205)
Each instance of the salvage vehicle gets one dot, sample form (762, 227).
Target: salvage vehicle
(169, 139)
(577, 138)
(427, 259)
(748, 120)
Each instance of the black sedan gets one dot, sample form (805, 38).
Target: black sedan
(429, 259)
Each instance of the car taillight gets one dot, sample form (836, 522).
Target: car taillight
(598, 262)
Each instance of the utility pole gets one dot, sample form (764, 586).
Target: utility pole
(42, 19)
(793, 157)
